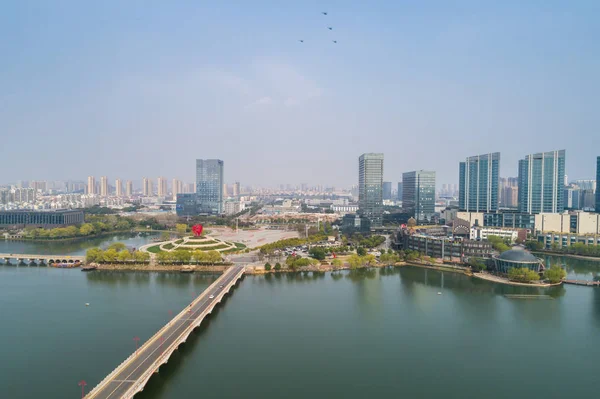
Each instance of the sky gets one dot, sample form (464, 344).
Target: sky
(130, 88)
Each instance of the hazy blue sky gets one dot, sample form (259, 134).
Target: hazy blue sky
(143, 88)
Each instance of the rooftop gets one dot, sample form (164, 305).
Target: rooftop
(517, 255)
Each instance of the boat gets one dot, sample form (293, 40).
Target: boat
(187, 269)
(66, 265)
(89, 268)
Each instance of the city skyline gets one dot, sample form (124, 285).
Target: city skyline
(274, 87)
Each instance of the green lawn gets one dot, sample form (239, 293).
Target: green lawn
(155, 249)
(204, 247)
(168, 246)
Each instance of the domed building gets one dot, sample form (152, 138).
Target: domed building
(517, 258)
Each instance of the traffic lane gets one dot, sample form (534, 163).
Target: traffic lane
(152, 352)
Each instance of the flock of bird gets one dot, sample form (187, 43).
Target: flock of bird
(329, 27)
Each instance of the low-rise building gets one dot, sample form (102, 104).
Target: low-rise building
(516, 258)
(445, 247)
(481, 233)
(45, 219)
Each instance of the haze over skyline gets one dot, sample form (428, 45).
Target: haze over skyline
(132, 89)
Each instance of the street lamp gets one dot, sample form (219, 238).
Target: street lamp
(136, 339)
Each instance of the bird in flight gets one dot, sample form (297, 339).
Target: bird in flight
(330, 28)
(335, 41)
(301, 41)
(324, 13)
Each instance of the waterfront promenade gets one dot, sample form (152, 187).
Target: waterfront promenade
(131, 376)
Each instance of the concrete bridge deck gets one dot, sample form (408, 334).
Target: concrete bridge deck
(47, 258)
(131, 376)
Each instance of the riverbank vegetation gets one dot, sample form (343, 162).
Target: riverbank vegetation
(522, 275)
(182, 256)
(579, 249)
(116, 253)
(555, 274)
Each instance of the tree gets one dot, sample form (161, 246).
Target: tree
(182, 255)
(140, 256)
(354, 261)
(277, 266)
(117, 246)
(534, 245)
(318, 253)
(389, 259)
(555, 274)
(336, 263)
(498, 243)
(124, 256)
(181, 228)
(164, 257)
(165, 236)
(86, 229)
(267, 266)
(476, 264)
(522, 274)
(94, 255)
(214, 256)
(110, 255)
(360, 251)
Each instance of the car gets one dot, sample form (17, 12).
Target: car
(211, 297)
(221, 286)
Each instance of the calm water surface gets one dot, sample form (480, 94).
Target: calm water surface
(380, 333)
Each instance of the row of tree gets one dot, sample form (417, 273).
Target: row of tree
(290, 242)
(182, 256)
(116, 253)
(553, 274)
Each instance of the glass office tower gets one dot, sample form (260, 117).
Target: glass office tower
(541, 182)
(209, 185)
(418, 194)
(370, 187)
(478, 183)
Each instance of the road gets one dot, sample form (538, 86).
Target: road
(147, 356)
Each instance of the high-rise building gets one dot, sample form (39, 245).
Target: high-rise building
(161, 184)
(225, 190)
(91, 185)
(40, 186)
(129, 188)
(598, 184)
(176, 188)
(209, 185)
(541, 178)
(236, 189)
(400, 189)
(103, 186)
(387, 190)
(118, 188)
(586, 184)
(370, 187)
(478, 183)
(418, 194)
(509, 192)
(572, 197)
(147, 189)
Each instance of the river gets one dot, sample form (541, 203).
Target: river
(352, 334)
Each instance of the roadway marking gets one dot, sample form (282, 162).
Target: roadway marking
(160, 346)
(124, 381)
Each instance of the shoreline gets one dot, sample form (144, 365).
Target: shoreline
(500, 280)
(573, 256)
(72, 239)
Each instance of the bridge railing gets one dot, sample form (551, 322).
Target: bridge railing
(109, 377)
(141, 381)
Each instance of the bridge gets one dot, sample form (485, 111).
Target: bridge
(33, 258)
(131, 376)
(587, 283)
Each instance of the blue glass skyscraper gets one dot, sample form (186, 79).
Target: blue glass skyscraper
(209, 185)
(541, 182)
(478, 185)
(418, 195)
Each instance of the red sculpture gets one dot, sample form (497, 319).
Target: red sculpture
(197, 230)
